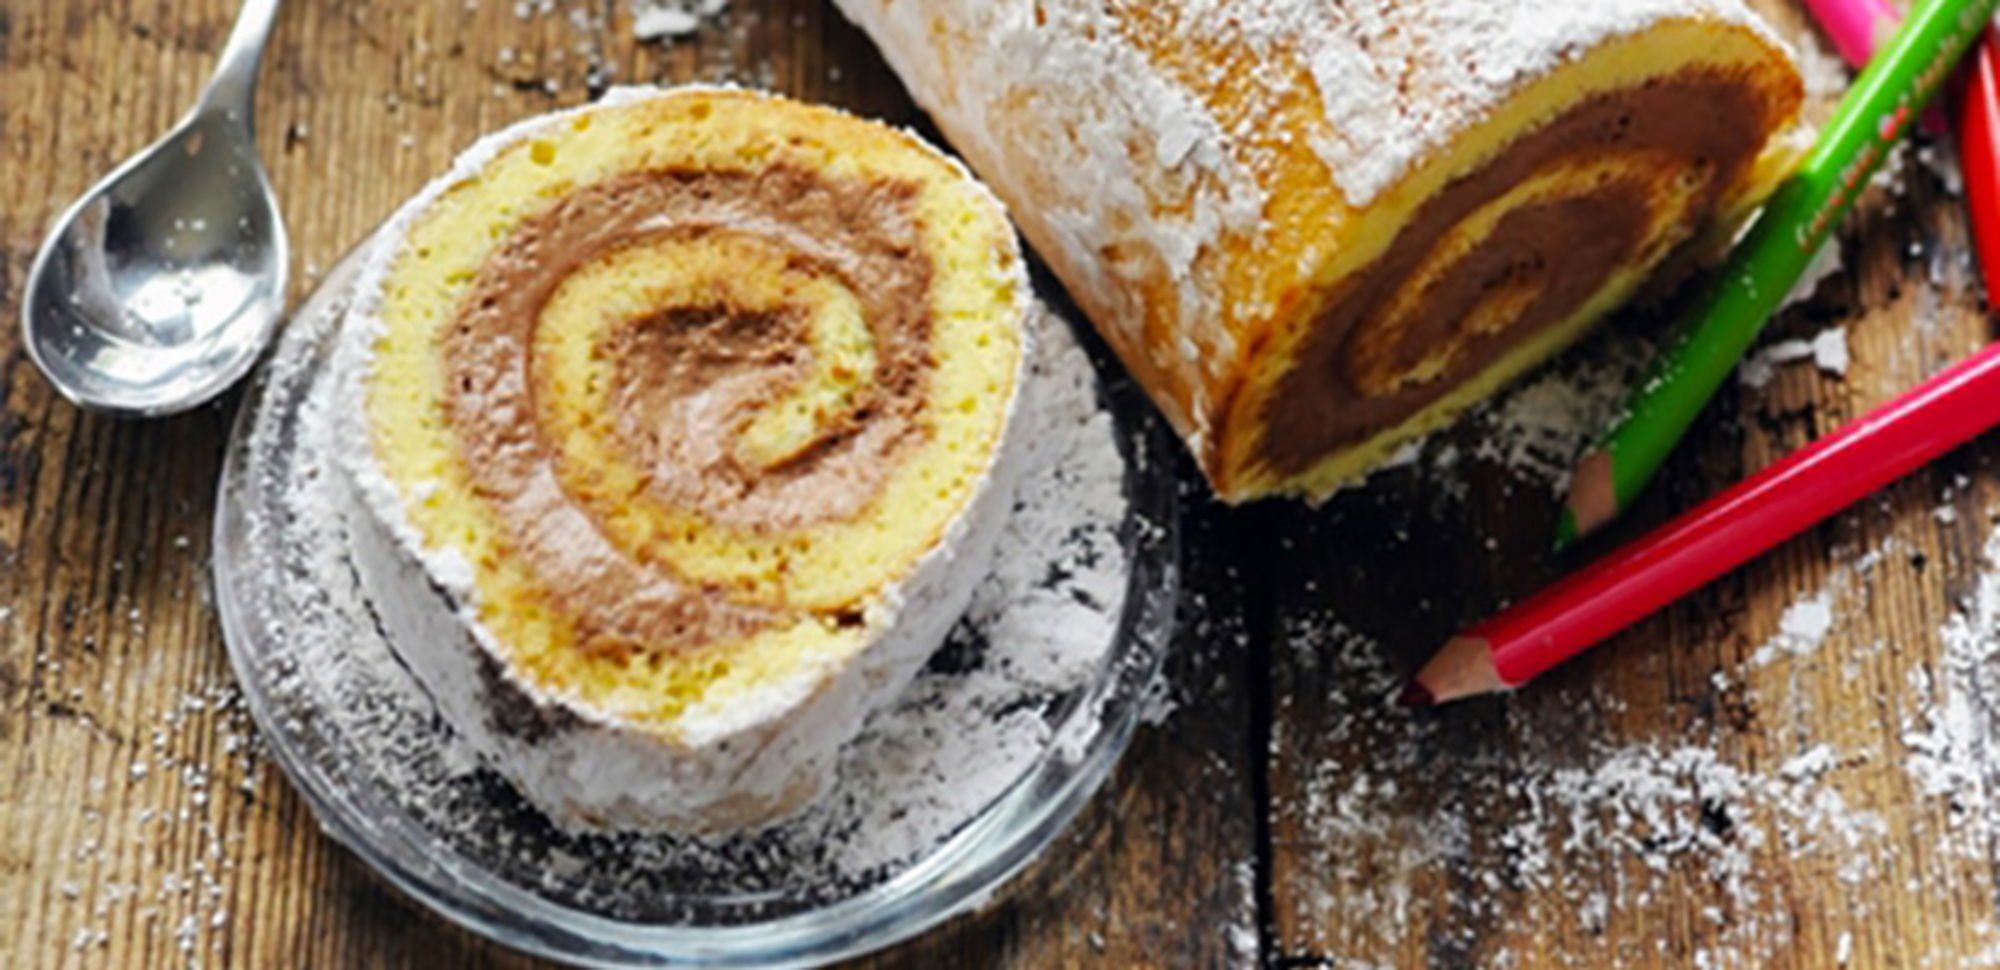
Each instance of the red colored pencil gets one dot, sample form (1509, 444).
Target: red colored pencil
(1764, 510)
(1978, 157)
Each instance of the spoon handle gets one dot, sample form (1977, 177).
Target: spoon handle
(233, 89)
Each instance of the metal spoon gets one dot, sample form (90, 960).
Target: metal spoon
(158, 288)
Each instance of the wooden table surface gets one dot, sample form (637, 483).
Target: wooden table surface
(1738, 782)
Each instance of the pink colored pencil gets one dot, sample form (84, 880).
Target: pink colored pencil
(1736, 526)
(1856, 27)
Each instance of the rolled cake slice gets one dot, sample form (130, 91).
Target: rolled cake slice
(682, 426)
(1316, 230)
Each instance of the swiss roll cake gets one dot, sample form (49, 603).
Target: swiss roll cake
(1314, 230)
(682, 428)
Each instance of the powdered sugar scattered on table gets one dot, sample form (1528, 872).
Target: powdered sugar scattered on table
(1621, 827)
(193, 768)
(1801, 629)
(1545, 821)
(656, 19)
(1953, 737)
(1537, 429)
(1827, 350)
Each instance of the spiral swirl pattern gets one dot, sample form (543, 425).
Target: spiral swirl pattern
(1550, 231)
(693, 384)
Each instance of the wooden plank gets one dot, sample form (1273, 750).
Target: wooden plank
(1737, 782)
(137, 825)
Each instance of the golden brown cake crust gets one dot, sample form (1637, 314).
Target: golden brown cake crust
(1206, 176)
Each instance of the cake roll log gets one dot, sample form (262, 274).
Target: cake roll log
(683, 430)
(1316, 230)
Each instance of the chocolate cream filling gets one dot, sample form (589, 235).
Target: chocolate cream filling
(1541, 262)
(685, 380)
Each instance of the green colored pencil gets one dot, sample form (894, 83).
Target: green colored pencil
(1881, 106)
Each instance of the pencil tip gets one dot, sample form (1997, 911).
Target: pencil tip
(1416, 695)
(1462, 668)
(1592, 501)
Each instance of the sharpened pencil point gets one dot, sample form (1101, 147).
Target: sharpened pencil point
(1593, 500)
(1416, 695)
(1463, 668)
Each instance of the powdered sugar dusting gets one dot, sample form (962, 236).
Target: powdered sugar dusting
(1398, 81)
(655, 19)
(1147, 148)
(1827, 350)
(1155, 169)
(1953, 739)
(1593, 830)
(1559, 812)
(1733, 826)
(1013, 688)
(1801, 629)
(1537, 429)
(191, 768)
(1826, 76)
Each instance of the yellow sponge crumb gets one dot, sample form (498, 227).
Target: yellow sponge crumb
(817, 579)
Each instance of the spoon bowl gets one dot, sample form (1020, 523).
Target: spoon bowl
(158, 289)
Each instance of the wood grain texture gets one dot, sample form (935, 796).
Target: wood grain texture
(1281, 816)
(137, 826)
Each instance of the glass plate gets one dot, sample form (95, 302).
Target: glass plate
(876, 863)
